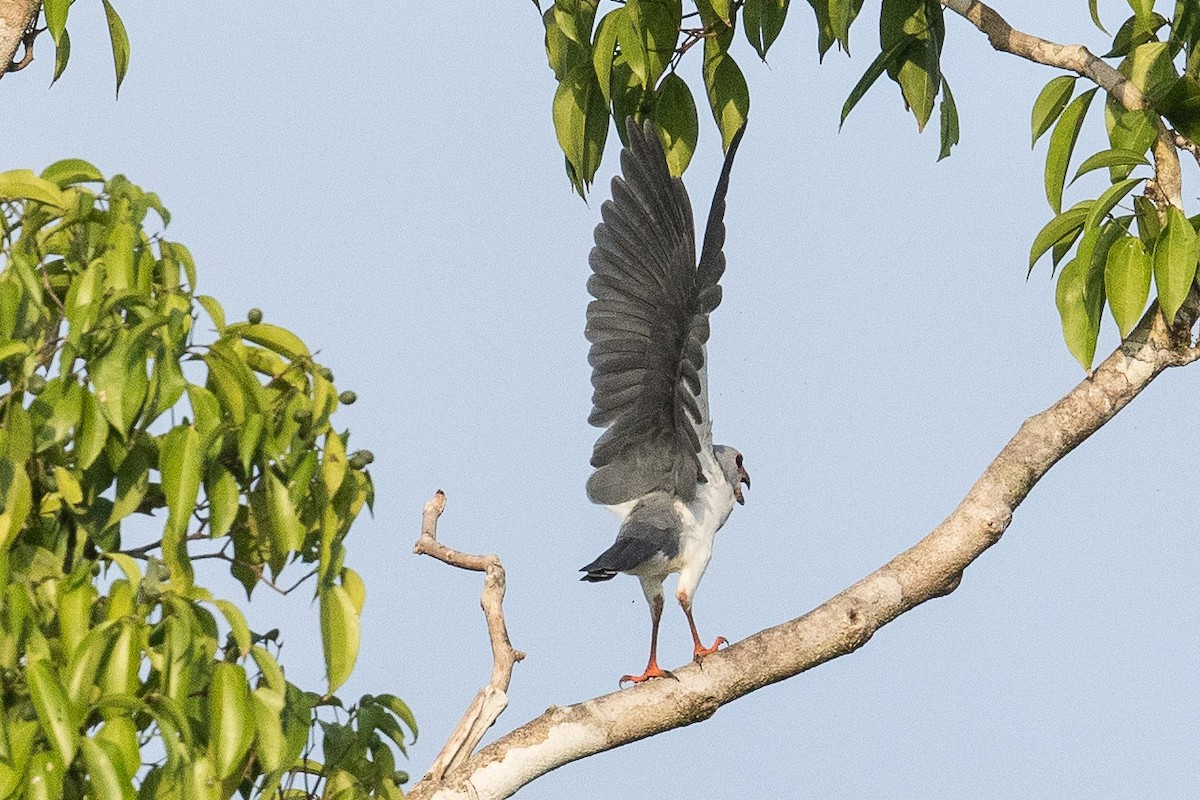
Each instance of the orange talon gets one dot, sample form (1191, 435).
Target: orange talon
(699, 652)
(652, 671)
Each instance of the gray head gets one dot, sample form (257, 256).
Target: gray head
(730, 461)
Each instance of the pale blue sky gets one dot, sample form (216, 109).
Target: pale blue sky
(386, 182)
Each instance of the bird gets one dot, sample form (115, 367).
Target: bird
(656, 466)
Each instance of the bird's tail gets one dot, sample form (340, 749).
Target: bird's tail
(625, 554)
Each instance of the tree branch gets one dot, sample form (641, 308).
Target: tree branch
(1078, 59)
(931, 568)
(17, 18)
(492, 699)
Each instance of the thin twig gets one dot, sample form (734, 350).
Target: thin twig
(491, 699)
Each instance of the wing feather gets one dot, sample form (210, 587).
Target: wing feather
(648, 326)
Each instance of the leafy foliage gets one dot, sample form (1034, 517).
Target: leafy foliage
(637, 41)
(1159, 57)
(133, 442)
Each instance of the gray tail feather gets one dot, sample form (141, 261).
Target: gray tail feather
(626, 553)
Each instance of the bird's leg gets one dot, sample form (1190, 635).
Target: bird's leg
(699, 651)
(652, 668)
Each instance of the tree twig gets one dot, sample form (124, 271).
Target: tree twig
(492, 699)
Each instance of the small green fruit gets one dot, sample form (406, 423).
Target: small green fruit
(347, 398)
(36, 384)
(254, 316)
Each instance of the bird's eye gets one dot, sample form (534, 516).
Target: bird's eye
(738, 460)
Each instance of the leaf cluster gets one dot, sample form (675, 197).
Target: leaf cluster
(132, 436)
(1116, 259)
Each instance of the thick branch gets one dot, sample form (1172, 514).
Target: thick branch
(491, 699)
(1078, 59)
(932, 568)
(17, 17)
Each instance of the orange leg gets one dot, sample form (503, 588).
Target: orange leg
(699, 651)
(652, 668)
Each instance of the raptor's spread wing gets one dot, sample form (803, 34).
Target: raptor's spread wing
(648, 327)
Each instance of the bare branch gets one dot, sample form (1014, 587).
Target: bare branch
(932, 568)
(17, 19)
(492, 699)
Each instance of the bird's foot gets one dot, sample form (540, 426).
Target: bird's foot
(652, 671)
(699, 652)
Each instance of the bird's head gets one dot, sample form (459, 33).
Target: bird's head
(730, 461)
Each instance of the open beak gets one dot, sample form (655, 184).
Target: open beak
(743, 477)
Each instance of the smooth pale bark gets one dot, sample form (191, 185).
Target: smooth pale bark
(15, 16)
(931, 568)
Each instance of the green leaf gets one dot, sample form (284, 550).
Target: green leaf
(678, 125)
(574, 18)
(22, 184)
(842, 14)
(1107, 200)
(655, 23)
(56, 17)
(1127, 282)
(224, 497)
(333, 463)
(230, 724)
(62, 54)
(400, 709)
(1149, 225)
(882, 62)
(16, 495)
(237, 625)
(1175, 256)
(133, 480)
(70, 171)
(1181, 106)
(120, 380)
(1062, 145)
(1050, 103)
(120, 43)
(287, 533)
(1095, 15)
(562, 53)
(916, 68)
(1080, 309)
(355, 588)
(106, 774)
(581, 123)
(53, 709)
(949, 128)
(1110, 158)
(728, 95)
(270, 744)
(1057, 229)
(762, 20)
(339, 634)
(603, 50)
(214, 311)
(272, 337)
(181, 461)
(1135, 31)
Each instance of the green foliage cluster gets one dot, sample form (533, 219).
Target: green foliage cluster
(1118, 256)
(116, 404)
(625, 66)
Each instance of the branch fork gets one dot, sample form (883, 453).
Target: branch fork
(492, 699)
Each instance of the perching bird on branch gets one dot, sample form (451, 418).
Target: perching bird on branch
(656, 465)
